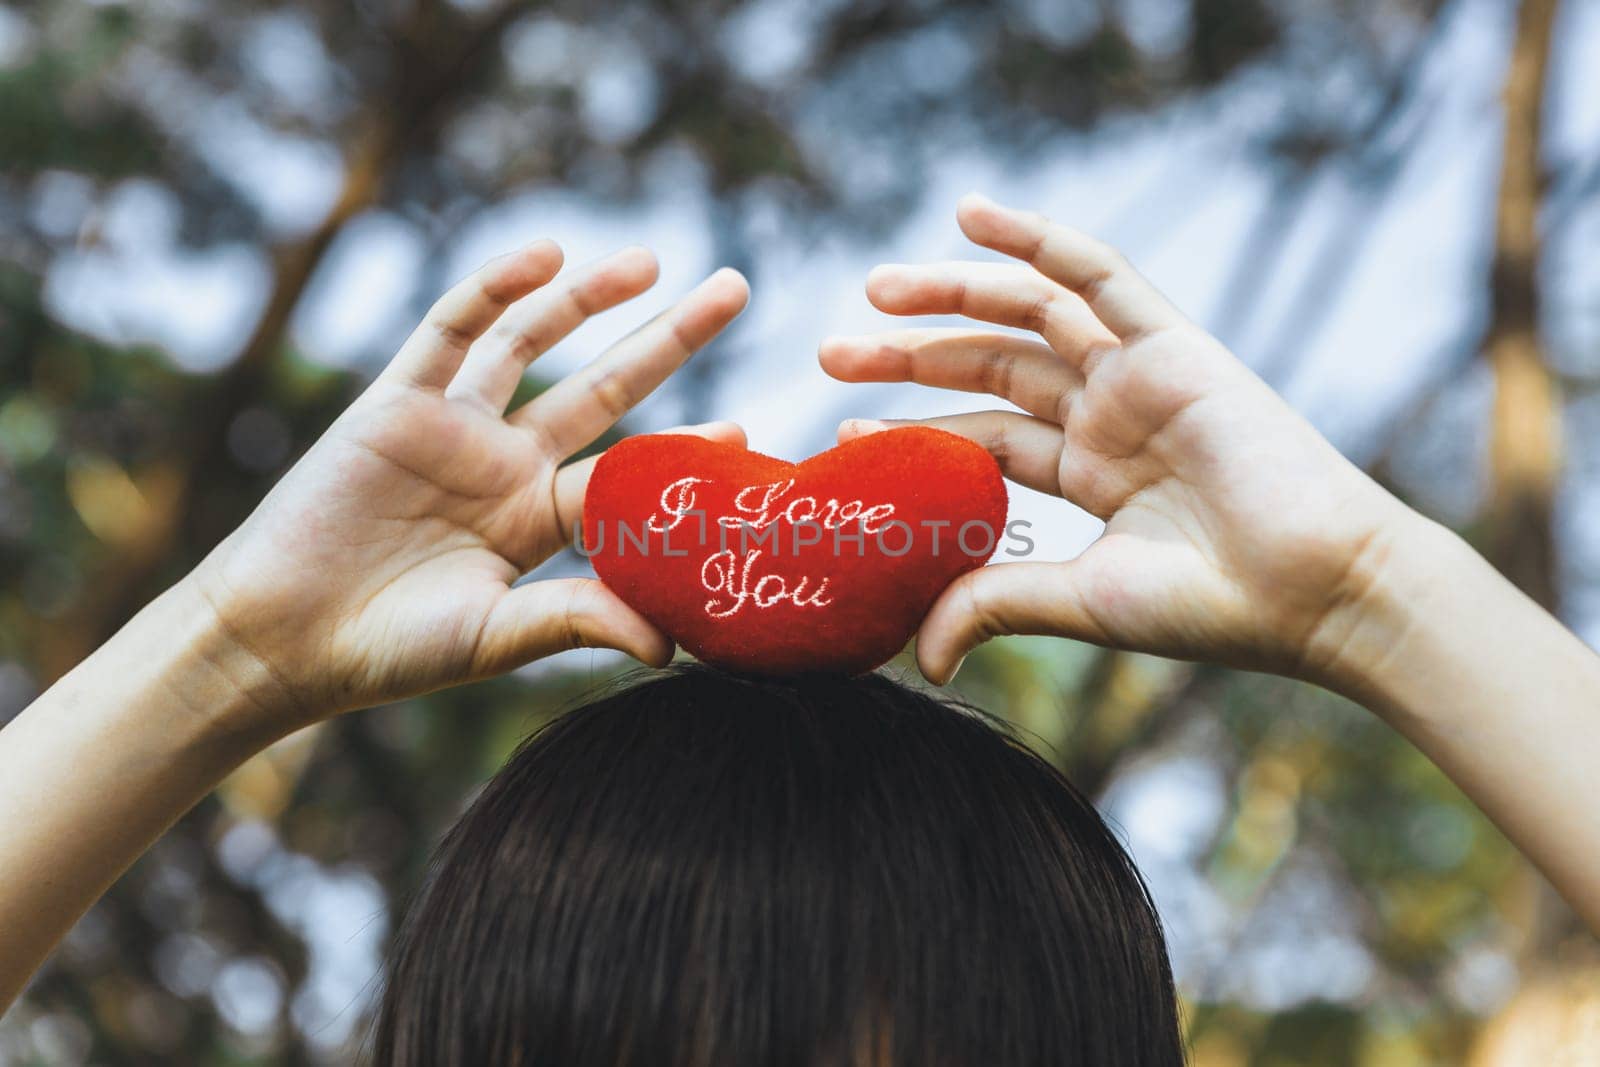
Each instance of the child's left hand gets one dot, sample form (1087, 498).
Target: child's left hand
(1234, 532)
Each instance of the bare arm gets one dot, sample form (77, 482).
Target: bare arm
(1234, 532)
(383, 565)
(98, 767)
(1497, 693)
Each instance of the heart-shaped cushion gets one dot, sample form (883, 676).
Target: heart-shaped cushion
(759, 565)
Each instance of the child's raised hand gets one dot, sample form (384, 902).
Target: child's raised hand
(1234, 531)
(384, 563)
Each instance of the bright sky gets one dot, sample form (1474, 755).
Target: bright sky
(1175, 190)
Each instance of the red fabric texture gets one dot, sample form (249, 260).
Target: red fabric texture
(759, 565)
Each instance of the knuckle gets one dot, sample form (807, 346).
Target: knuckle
(1040, 229)
(1092, 285)
(610, 389)
(1000, 444)
(996, 371)
(960, 295)
(447, 331)
(683, 338)
(985, 622)
(587, 297)
(1036, 314)
(574, 629)
(491, 283)
(525, 346)
(901, 357)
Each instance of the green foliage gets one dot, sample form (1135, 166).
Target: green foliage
(57, 116)
(114, 462)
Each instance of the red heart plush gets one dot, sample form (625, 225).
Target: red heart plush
(760, 565)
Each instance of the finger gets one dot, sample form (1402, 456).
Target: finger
(1008, 294)
(1118, 294)
(585, 404)
(435, 349)
(572, 480)
(541, 618)
(1027, 373)
(495, 365)
(1027, 449)
(1003, 598)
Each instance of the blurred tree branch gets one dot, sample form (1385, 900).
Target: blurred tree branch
(1122, 711)
(426, 74)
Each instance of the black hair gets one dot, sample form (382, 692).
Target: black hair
(706, 869)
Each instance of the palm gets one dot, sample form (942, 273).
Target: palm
(1213, 549)
(422, 512)
(443, 471)
(386, 562)
(1232, 528)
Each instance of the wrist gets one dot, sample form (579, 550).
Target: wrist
(208, 669)
(1364, 647)
(1435, 629)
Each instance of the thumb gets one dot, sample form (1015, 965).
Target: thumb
(1004, 598)
(541, 618)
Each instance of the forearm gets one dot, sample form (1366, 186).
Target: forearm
(1495, 692)
(101, 764)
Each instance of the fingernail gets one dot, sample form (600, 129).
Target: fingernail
(863, 425)
(705, 427)
(954, 671)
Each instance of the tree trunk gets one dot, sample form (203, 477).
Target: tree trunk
(1525, 435)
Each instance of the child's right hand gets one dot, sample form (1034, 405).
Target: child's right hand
(387, 562)
(1234, 531)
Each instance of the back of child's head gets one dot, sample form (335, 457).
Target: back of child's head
(705, 869)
